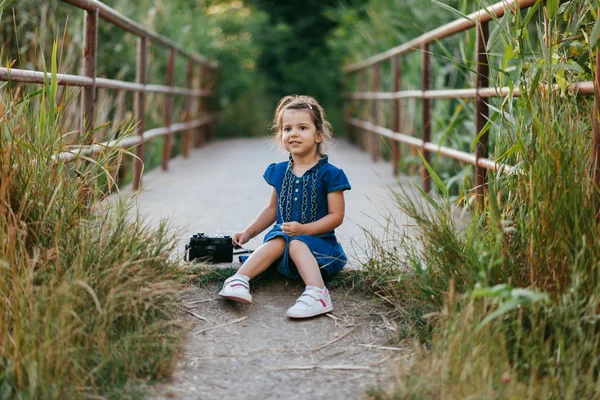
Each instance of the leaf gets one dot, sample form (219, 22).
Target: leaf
(500, 30)
(501, 290)
(530, 13)
(496, 215)
(484, 130)
(503, 309)
(511, 150)
(435, 177)
(505, 114)
(551, 8)
(518, 297)
(563, 7)
(429, 199)
(487, 11)
(573, 66)
(560, 79)
(526, 296)
(543, 44)
(509, 54)
(535, 84)
(595, 33)
(452, 10)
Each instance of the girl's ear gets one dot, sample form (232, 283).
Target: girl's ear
(319, 138)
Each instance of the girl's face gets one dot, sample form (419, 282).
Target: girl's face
(299, 135)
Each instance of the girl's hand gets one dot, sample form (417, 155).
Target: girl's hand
(292, 228)
(240, 238)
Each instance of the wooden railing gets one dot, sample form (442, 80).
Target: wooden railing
(94, 10)
(478, 20)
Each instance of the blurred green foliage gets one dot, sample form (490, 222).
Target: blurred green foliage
(267, 49)
(224, 31)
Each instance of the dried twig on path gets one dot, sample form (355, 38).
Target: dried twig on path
(334, 340)
(331, 355)
(382, 347)
(197, 301)
(382, 360)
(343, 367)
(196, 315)
(333, 317)
(220, 326)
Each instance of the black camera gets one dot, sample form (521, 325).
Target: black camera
(210, 249)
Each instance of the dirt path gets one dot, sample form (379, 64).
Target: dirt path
(268, 356)
(220, 190)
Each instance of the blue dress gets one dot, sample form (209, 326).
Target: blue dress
(304, 199)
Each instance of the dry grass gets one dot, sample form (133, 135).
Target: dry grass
(87, 295)
(510, 301)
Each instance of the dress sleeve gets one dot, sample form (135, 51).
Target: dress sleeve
(268, 175)
(335, 180)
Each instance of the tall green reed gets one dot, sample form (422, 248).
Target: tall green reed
(515, 291)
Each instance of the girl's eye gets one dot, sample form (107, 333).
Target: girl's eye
(303, 128)
(287, 129)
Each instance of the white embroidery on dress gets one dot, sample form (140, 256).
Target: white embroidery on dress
(285, 198)
(304, 201)
(313, 197)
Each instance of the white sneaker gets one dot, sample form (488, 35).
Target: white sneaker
(237, 288)
(313, 301)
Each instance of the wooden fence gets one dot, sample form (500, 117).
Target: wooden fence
(89, 82)
(480, 21)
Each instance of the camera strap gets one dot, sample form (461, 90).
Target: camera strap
(242, 251)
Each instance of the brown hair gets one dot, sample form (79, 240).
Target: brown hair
(310, 105)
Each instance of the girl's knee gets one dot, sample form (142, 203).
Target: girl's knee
(271, 249)
(297, 246)
(277, 243)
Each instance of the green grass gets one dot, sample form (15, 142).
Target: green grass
(506, 304)
(87, 290)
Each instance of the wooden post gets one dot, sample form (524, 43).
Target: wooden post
(426, 115)
(208, 104)
(90, 55)
(362, 84)
(375, 87)
(140, 110)
(166, 154)
(481, 111)
(349, 107)
(201, 102)
(396, 79)
(213, 104)
(187, 136)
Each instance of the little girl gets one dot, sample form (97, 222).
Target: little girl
(307, 204)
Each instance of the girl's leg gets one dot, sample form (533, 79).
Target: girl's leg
(315, 299)
(263, 257)
(306, 263)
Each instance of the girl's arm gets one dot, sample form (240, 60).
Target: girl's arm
(336, 206)
(265, 219)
